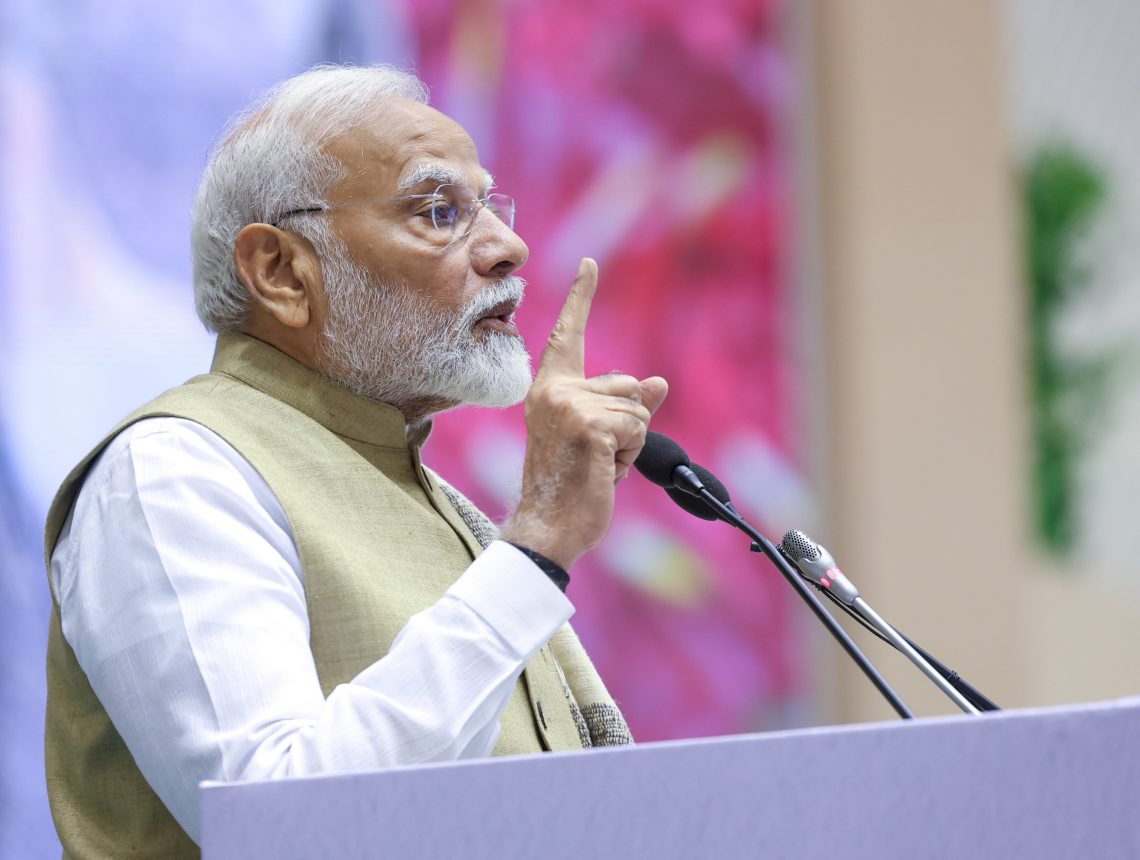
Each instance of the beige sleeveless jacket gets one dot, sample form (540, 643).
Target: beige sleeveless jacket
(378, 542)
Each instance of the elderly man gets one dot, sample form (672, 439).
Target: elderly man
(255, 575)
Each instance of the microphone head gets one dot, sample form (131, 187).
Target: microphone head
(799, 547)
(695, 505)
(818, 566)
(659, 458)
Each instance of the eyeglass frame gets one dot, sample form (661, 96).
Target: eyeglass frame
(479, 203)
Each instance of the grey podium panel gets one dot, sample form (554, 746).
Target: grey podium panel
(1050, 783)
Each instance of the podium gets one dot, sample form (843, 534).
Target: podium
(1045, 783)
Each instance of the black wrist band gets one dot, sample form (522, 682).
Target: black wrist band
(556, 572)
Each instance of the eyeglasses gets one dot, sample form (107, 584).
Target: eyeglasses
(450, 208)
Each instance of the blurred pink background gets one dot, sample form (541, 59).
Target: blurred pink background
(647, 134)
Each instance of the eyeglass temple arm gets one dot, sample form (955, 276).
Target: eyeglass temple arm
(292, 212)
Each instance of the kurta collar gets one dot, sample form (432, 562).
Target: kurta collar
(268, 369)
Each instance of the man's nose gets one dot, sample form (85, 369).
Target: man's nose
(496, 249)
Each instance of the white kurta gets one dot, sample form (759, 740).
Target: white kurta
(212, 677)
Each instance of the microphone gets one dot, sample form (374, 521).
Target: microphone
(696, 505)
(817, 565)
(659, 457)
(666, 464)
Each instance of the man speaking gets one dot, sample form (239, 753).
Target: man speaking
(255, 575)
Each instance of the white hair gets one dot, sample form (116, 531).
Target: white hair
(272, 159)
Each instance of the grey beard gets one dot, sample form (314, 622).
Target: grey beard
(389, 343)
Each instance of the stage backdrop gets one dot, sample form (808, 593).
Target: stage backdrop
(649, 135)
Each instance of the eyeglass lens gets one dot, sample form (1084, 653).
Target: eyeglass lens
(455, 206)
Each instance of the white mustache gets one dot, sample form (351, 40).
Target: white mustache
(509, 289)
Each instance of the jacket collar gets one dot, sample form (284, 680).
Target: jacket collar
(282, 377)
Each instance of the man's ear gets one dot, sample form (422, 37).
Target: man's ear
(281, 271)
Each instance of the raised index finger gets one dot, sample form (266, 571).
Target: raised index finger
(565, 351)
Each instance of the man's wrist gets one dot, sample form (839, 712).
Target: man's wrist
(532, 534)
(556, 572)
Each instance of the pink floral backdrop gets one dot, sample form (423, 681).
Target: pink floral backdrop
(649, 134)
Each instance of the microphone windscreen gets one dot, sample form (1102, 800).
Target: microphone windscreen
(660, 456)
(691, 504)
(695, 505)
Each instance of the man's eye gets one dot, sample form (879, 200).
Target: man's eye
(443, 214)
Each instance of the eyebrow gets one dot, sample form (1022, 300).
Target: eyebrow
(441, 174)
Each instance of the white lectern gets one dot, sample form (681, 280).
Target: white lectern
(1049, 783)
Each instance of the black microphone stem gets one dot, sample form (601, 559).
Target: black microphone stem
(762, 544)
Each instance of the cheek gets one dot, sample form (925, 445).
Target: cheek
(443, 277)
(385, 255)
(443, 282)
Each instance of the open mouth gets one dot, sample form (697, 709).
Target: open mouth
(501, 317)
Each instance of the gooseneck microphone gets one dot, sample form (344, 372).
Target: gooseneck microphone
(696, 505)
(666, 464)
(819, 567)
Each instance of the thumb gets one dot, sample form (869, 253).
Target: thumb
(653, 391)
